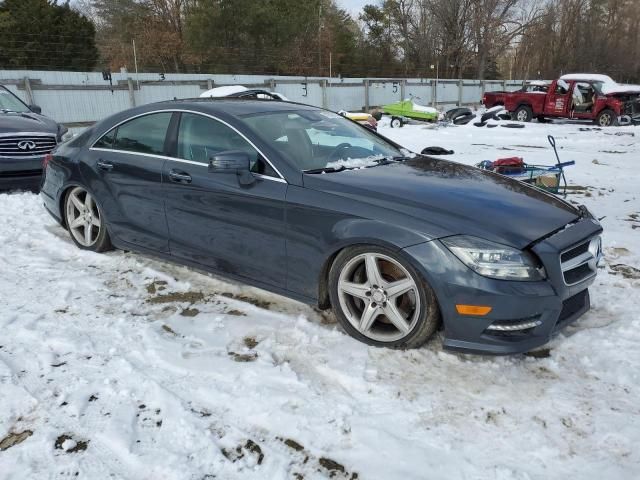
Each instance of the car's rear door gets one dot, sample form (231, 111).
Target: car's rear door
(124, 172)
(215, 221)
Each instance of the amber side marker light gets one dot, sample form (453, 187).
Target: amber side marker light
(476, 310)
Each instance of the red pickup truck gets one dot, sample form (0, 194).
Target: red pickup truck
(576, 96)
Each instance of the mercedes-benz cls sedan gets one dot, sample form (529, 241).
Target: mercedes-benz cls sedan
(300, 201)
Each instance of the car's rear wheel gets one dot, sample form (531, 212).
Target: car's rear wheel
(523, 114)
(396, 122)
(85, 221)
(381, 300)
(607, 118)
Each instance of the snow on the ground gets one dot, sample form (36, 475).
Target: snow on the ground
(119, 366)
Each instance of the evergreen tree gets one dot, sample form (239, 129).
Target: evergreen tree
(40, 34)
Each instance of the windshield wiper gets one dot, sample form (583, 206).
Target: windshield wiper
(326, 169)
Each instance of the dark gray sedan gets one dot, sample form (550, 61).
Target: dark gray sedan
(26, 137)
(300, 201)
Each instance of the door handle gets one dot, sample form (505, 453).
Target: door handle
(102, 165)
(179, 177)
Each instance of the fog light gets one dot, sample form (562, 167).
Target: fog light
(513, 327)
(475, 310)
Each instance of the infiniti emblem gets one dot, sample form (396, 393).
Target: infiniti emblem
(27, 145)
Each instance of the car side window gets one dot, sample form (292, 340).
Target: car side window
(106, 141)
(200, 138)
(143, 134)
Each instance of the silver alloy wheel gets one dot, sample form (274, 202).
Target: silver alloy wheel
(605, 120)
(83, 217)
(379, 297)
(522, 115)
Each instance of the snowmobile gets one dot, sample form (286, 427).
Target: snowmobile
(401, 112)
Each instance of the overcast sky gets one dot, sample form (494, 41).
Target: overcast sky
(354, 6)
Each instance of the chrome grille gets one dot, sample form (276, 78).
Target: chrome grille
(580, 262)
(26, 145)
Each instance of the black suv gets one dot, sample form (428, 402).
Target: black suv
(26, 137)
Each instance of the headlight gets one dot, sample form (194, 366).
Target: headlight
(494, 260)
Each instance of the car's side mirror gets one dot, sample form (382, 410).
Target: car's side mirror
(233, 161)
(35, 109)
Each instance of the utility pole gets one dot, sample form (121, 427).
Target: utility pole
(320, 38)
(135, 61)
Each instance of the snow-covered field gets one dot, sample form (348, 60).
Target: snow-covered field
(119, 366)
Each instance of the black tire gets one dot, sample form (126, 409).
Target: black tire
(523, 114)
(457, 112)
(396, 122)
(489, 116)
(426, 317)
(463, 119)
(102, 242)
(607, 118)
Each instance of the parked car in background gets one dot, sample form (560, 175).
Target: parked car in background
(238, 91)
(301, 201)
(497, 97)
(26, 137)
(576, 96)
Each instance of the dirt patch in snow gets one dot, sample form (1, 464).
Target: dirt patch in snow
(250, 342)
(250, 448)
(14, 439)
(67, 443)
(626, 271)
(156, 286)
(244, 357)
(178, 297)
(253, 301)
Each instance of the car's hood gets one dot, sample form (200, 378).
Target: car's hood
(12, 122)
(441, 198)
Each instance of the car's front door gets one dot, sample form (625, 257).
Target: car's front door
(213, 219)
(124, 172)
(558, 100)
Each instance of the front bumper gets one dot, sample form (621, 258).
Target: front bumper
(544, 306)
(20, 173)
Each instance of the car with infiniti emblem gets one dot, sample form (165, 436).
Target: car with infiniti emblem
(26, 137)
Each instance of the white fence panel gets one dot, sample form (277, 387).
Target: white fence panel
(81, 98)
(345, 97)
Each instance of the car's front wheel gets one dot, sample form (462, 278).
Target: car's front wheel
(85, 221)
(381, 300)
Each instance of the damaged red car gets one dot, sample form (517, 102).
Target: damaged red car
(575, 96)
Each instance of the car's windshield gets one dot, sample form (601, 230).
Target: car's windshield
(9, 102)
(317, 140)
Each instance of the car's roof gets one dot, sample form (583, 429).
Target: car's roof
(237, 106)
